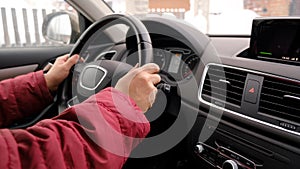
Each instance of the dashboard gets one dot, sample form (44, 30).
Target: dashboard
(238, 96)
(247, 102)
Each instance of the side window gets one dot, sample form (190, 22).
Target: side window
(22, 21)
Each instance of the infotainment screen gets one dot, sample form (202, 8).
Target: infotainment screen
(276, 39)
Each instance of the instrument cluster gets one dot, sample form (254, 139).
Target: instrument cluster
(177, 63)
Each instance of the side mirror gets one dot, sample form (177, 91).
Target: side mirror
(61, 27)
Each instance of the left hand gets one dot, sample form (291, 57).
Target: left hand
(60, 70)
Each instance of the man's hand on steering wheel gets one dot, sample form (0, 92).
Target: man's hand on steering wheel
(139, 83)
(59, 71)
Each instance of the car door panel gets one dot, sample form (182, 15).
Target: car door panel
(16, 61)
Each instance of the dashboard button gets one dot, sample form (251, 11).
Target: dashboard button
(251, 91)
(230, 164)
(199, 148)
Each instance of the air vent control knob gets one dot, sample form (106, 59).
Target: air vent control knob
(199, 148)
(230, 164)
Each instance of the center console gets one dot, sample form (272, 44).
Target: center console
(222, 157)
(234, 147)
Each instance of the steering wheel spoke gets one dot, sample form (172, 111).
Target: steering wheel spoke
(98, 75)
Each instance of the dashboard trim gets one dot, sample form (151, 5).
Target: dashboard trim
(236, 113)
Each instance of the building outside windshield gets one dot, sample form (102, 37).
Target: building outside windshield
(213, 17)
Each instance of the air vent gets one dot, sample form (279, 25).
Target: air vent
(223, 86)
(280, 99)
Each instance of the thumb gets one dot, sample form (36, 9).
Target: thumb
(72, 61)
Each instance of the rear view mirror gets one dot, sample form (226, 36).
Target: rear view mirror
(61, 27)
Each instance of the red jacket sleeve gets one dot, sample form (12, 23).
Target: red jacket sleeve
(98, 133)
(23, 96)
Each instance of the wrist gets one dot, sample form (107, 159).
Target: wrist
(49, 82)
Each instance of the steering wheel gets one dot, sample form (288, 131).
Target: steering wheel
(86, 79)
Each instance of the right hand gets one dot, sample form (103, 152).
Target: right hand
(139, 83)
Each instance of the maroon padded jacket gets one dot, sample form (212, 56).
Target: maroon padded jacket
(98, 133)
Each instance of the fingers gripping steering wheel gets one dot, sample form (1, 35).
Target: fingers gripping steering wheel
(86, 79)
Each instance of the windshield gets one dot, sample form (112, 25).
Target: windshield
(214, 17)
